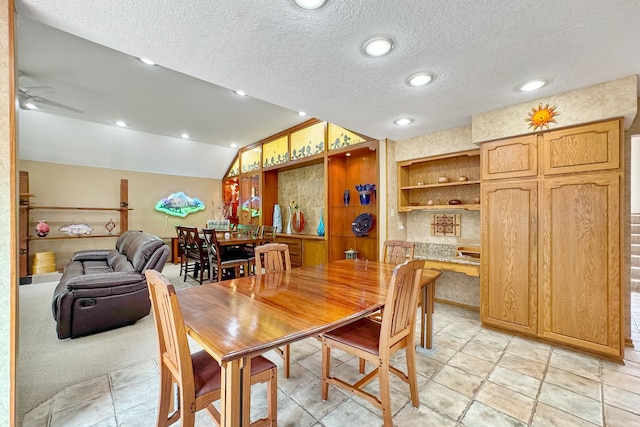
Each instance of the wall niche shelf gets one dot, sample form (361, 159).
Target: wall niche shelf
(26, 226)
(418, 182)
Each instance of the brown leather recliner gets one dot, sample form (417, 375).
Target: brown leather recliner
(105, 289)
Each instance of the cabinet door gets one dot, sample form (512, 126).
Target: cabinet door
(509, 264)
(580, 286)
(582, 149)
(510, 158)
(313, 252)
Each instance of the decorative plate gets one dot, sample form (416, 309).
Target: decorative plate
(362, 224)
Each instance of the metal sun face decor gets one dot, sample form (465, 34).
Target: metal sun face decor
(541, 117)
(179, 204)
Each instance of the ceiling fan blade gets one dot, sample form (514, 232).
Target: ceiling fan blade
(40, 100)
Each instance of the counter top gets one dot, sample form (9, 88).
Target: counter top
(300, 236)
(442, 253)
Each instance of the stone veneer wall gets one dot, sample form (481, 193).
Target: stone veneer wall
(306, 186)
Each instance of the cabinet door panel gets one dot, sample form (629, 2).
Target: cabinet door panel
(581, 261)
(510, 158)
(583, 149)
(509, 265)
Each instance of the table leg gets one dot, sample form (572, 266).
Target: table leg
(230, 394)
(426, 311)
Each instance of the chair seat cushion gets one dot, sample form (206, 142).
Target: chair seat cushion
(206, 371)
(363, 334)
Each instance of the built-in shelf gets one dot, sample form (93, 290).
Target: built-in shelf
(90, 236)
(76, 208)
(420, 189)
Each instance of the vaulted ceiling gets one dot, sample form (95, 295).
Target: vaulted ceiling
(288, 59)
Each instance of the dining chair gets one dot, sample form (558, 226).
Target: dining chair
(268, 232)
(197, 375)
(192, 249)
(397, 251)
(378, 341)
(221, 260)
(275, 258)
(195, 249)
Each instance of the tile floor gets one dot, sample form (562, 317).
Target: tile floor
(473, 377)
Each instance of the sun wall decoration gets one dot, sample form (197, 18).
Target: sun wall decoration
(541, 117)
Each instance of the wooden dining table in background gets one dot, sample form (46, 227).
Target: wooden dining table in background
(237, 319)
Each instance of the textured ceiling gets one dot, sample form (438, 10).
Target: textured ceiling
(306, 60)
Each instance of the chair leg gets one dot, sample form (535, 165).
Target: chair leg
(385, 395)
(286, 356)
(272, 398)
(410, 350)
(326, 368)
(164, 404)
(362, 363)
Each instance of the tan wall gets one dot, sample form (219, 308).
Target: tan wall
(306, 186)
(64, 185)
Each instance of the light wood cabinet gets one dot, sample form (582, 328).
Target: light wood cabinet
(420, 189)
(509, 275)
(551, 264)
(304, 251)
(510, 158)
(583, 149)
(581, 286)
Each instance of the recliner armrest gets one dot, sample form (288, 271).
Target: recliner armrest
(103, 280)
(91, 255)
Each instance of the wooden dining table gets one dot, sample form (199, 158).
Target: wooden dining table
(238, 319)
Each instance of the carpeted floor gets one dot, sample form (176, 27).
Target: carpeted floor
(47, 365)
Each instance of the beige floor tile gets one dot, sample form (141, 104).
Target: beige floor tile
(480, 414)
(524, 366)
(421, 417)
(351, 413)
(87, 390)
(615, 417)
(440, 353)
(459, 380)
(580, 364)
(147, 392)
(462, 329)
(571, 402)
(87, 413)
(449, 341)
(621, 380)
(443, 400)
(548, 416)
(141, 415)
(505, 400)
(134, 374)
(290, 414)
(629, 368)
(573, 382)
(621, 399)
(632, 355)
(529, 350)
(493, 339)
(482, 351)
(471, 364)
(310, 399)
(516, 381)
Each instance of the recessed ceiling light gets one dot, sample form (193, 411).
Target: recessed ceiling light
(403, 121)
(147, 61)
(420, 79)
(121, 124)
(234, 145)
(348, 154)
(302, 113)
(184, 135)
(531, 85)
(378, 46)
(310, 4)
(31, 106)
(240, 93)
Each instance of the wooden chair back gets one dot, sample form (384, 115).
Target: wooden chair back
(399, 315)
(273, 257)
(268, 231)
(248, 230)
(172, 336)
(397, 251)
(219, 260)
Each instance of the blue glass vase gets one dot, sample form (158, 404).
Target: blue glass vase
(347, 197)
(321, 225)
